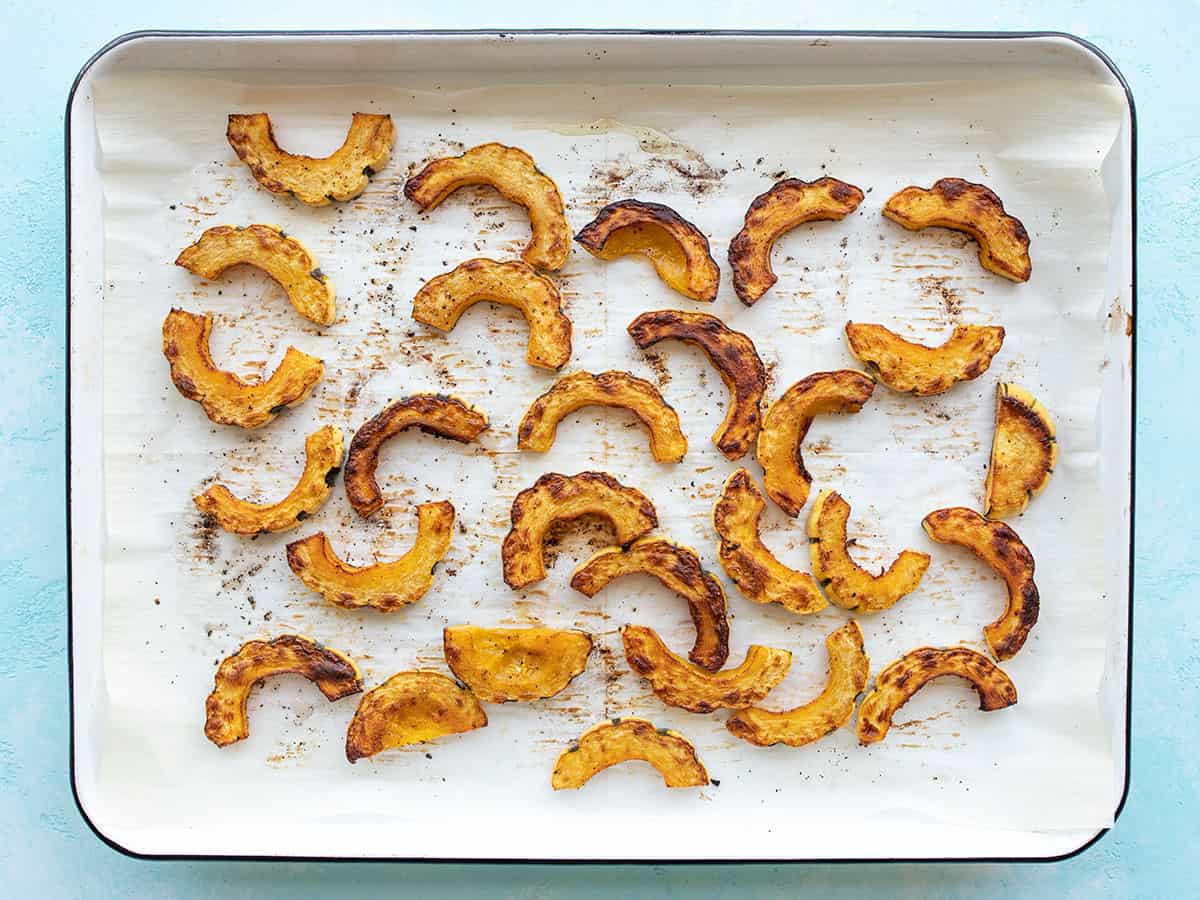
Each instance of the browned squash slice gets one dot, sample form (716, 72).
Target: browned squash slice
(787, 421)
(386, 587)
(676, 682)
(849, 668)
(323, 457)
(911, 672)
(512, 172)
(411, 708)
(503, 664)
(970, 208)
(446, 417)
(847, 583)
(442, 300)
(614, 389)
(753, 568)
(225, 398)
(622, 740)
(311, 180)
(677, 248)
(265, 247)
(1000, 547)
(559, 498)
(1024, 452)
(291, 654)
(916, 369)
(790, 203)
(731, 353)
(678, 569)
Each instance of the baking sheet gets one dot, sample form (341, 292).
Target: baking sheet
(180, 595)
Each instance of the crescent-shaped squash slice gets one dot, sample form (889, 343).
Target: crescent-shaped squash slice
(622, 740)
(678, 249)
(734, 357)
(916, 369)
(503, 664)
(442, 300)
(676, 682)
(678, 569)
(311, 180)
(847, 583)
(896, 684)
(970, 208)
(787, 421)
(615, 389)
(559, 498)
(1024, 452)
(1000, 547)
(753, 568)
(788, 204)
(411, 708)
(291, 654)
(225, 398)
(849, 668)
(265, 247)
(446, 417)
(512, 172)
(386, 587)
(323, 456)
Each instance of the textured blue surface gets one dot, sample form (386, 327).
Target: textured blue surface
(46, 850)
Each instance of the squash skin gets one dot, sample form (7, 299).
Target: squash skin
(512, 172)
(1024, 452)
(622, 740)
(334, 673)
(386, 587)
(677, 248)
(411, 708)
(970, 208)
(913, 368)
(314, 181)
(265, 247)
(323, 457)
(787, 205)
(734, 357)
(515, 664)
(911, 672)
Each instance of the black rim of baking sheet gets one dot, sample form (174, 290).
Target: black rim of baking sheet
(601, 32)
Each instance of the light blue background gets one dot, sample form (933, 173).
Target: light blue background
(45, 848)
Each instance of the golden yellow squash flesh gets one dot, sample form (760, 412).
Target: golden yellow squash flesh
(622, 740)
(515, 664)
(411, 708)
(1024, 452)
(916, 369)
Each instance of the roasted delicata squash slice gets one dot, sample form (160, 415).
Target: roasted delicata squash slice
(512, 172)
(225, 398)
(678, 569)
(678, 249)
(446, 417)
(970, 208)
(559, 498)
(503, 664)
(411, 708)
(1024, 452)
(847, 583)
(386, 587)
(916, 369)
(753, 568)
(896, 684)
(313, 181)
(676, 682)
(787, 422)
(323, 457)
(442, 300)
(265, 247)
(614, 389)
(734, 357)
(849, 668)
(790, 203)
(1001, 548)
(622, 740)
(291, 654)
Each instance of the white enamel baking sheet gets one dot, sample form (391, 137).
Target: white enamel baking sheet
(703, 123)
